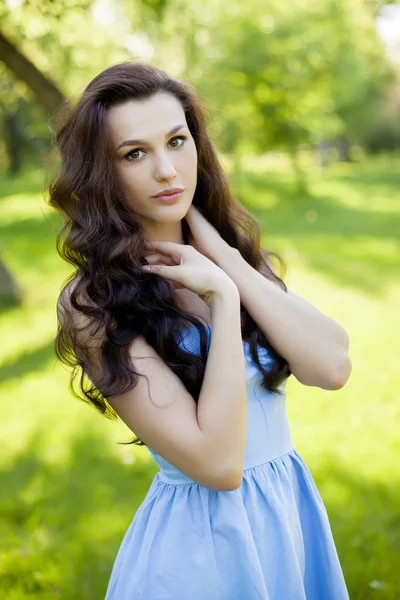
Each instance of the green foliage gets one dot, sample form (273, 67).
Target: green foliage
(275, 75)
(300, 70)
(69, 41)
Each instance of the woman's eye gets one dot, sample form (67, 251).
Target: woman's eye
(179, 137)
(129, 157)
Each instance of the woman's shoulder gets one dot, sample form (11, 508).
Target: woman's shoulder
(67, 313)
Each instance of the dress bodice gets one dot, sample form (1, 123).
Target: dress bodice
(268, 431)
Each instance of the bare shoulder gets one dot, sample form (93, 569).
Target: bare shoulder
(65, 307)
(85, 334)
(64, 299)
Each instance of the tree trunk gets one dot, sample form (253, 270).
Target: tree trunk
(46, 92)
(344, 149)
(50, 97)
(237, 177)
(9, 291)
(321, 150)
(11, 142)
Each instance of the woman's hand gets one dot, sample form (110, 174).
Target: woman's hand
(203, 236)
(188, 268)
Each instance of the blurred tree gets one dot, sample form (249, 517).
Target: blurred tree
(38, 81)
(361, 81)
(10, 294)
(12, 138)
(49, 96)
(46, 92)
(287, 74)
(376, 5)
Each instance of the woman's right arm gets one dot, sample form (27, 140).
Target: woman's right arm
(222, 405)
(206, 441)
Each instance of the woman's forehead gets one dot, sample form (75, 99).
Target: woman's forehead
(146, 120)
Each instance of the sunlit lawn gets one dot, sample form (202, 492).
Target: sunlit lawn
(68, 491)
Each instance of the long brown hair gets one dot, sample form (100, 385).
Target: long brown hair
(104, 241)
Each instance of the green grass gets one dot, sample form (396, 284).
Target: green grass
(68, 491)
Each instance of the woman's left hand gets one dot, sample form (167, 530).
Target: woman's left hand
(203, 236)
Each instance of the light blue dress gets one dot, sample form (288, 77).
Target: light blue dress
(270, 539)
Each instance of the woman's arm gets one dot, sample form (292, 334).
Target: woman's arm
(315, 346)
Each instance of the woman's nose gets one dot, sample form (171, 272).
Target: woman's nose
(164, 168)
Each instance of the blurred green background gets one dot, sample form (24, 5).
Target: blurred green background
(304, 107)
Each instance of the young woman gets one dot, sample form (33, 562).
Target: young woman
(178, 325)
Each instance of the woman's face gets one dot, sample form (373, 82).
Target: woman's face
(150, 155)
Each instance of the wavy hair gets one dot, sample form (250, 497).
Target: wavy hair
(104, 241)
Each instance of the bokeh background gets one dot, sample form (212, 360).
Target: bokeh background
(304, 107)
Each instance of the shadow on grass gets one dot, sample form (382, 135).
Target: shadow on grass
(32, 238)
(367, 178)
(365, 520)
(355, 248)
(29, 361)
(28, 180)
(62, 524)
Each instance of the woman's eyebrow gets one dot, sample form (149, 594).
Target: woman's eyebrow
(135, 142)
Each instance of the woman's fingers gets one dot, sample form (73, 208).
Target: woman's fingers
(174, 273)
(158, 258)
(173, 249)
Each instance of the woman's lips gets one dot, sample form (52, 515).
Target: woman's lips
(169, 198)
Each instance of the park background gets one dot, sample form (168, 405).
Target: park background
(304, 107)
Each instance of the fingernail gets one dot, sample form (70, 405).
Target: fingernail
(147, 267)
